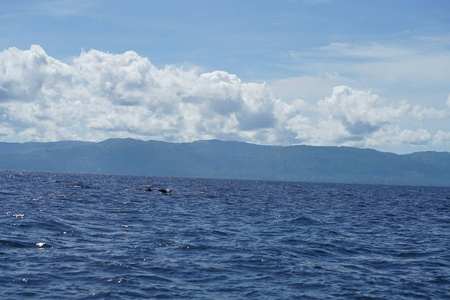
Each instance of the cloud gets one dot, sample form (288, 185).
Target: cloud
(62, 8)
(361, 118)
(415, 71)
(308, 87)
(100, 95)
(395, 135)
(359, 108)
(442, 137)
(24, 74)
(370, 51)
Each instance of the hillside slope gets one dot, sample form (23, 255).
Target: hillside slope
(219, 159)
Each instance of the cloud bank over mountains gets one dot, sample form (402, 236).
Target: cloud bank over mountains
(99, 95)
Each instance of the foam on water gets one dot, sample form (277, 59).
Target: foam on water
(106, 237)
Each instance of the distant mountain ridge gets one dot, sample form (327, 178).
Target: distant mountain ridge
(233, 160)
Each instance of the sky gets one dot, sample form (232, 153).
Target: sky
(359, 73)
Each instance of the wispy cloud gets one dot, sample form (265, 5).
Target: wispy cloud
(62, 8)
(371, 51)
(417, 72)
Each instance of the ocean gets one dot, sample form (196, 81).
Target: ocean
(84, 236)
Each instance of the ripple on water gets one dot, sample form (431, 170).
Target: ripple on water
(99, 236)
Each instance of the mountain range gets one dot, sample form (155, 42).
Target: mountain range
(232, 160)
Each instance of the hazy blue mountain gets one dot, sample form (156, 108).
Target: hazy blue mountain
(219, 159)
(27, 147)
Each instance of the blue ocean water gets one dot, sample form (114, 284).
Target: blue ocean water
(78, 236)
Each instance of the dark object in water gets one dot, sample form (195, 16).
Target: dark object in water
(165, 191)
(162, 191)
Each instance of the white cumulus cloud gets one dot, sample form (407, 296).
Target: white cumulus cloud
(100, 95)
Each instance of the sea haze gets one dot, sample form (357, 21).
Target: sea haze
(231, 160)
(109, 237)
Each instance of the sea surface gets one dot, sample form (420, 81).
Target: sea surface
(78, 236)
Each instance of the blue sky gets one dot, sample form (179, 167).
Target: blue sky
(355, 73)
